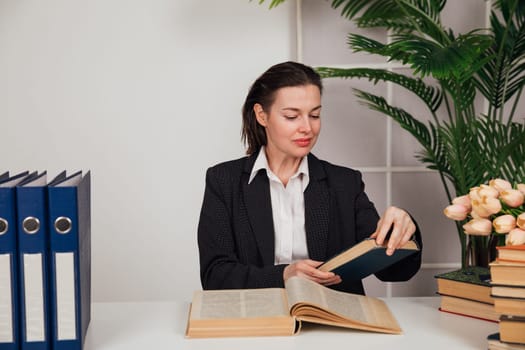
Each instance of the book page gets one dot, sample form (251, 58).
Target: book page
(239, 303)
(353, 307)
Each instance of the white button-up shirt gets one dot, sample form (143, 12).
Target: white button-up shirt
(287, 210)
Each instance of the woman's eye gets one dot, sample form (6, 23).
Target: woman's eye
(315, 116)
(290, 117)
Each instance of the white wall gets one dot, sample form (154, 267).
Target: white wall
(145, 94)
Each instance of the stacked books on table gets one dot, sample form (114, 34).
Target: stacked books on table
(45, 261)
(467, 292)
(508, 292)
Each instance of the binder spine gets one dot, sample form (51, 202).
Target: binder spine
(33, 246)
(66, 308)
(9, 335)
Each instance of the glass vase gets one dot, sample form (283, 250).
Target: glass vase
(481, 250)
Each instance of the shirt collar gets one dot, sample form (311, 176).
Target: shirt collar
(262, 163)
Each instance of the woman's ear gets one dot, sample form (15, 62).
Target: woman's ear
(260, 114)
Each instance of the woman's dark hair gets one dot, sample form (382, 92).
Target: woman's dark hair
(263, 92)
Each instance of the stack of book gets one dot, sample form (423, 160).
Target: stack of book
(508, 292)
(45, 260)
(467, 292)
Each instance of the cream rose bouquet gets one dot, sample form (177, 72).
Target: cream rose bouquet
(495, 210)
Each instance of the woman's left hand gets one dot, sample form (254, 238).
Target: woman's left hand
(403, 229)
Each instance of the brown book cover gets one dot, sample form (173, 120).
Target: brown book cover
(507, 291)
(280, 311)
(512, 329)
(470, 308)
(469, 283)
(507, 273)
(512, 253)
(510, 306)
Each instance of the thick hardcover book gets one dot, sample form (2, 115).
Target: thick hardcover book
(508, 291)
(470, 308)
(510, 306)
(366, 258)
(512, 253)
(9, 332)
(512, 329)
(280, 311)
(471, 283)
(70, 261)
(507, 273)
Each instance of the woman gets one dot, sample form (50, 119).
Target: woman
(280, 211)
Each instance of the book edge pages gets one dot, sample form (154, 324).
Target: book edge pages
(278, 325)
(308, 309)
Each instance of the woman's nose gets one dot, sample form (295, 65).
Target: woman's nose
(305, 124)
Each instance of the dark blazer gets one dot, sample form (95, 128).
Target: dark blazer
(236, 234)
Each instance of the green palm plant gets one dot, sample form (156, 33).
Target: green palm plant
(467, 147)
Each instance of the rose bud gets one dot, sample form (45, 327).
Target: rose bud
(480, 227)
(520, 221)
(500, 185)
(504, 223)
(464, 201)
(486, 206)
(515, 237)
(513, 198)
(521, 188)
(488, 191)
(475, 215)
(456, 212)
(473, 194)
(479, 210)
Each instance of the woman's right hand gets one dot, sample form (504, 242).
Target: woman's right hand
(308, 269)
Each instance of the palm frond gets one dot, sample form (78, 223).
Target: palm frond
(430, 95)
(401, 16)
(458, 59)
(416, 128)
(360, 43)
(502, 77)
(273, 3)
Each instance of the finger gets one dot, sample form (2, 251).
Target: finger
(386, 224)
(376, 232)
(313, 263)
(331, 282)
(409, 232)
(395, 239)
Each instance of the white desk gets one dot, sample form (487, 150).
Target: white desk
(152, 326)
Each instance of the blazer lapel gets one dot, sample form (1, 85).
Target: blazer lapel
(259, 207)
(316, 207)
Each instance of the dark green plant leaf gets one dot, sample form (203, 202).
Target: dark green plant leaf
(430, 95)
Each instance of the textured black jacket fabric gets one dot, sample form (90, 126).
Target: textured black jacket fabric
(236, 234)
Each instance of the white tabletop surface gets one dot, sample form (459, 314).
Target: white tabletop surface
(161, 325)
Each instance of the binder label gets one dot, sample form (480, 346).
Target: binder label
(34, 298)
(6, 300)
(65, 296)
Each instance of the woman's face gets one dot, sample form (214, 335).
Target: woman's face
(293, 122)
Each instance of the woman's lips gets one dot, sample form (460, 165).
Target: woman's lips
(302, 142)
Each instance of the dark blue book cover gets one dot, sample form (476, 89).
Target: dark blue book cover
(366, 258)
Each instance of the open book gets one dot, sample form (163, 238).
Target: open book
(366, 258)
(279, 311)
